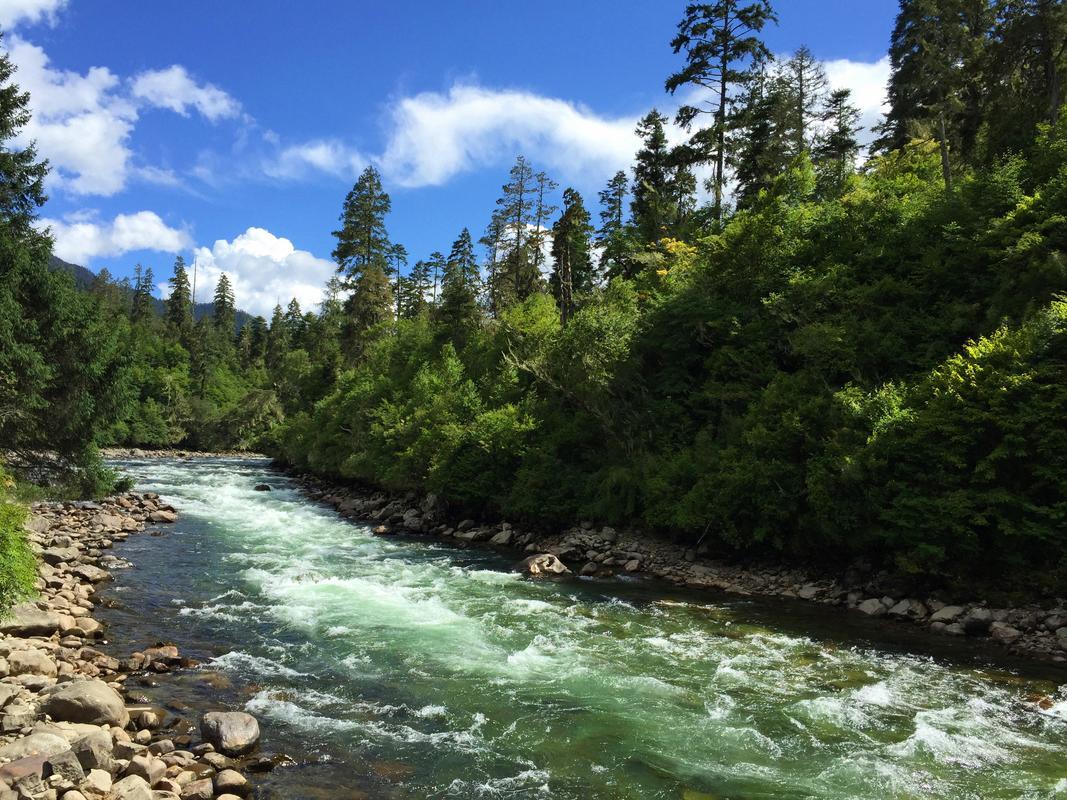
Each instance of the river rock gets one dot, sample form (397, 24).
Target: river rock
(31, 662)
(503, 538)
(94, 750)
(1004, 633)
(231, 732)
(977, 622)
(872, 607)
(262, 487)
(201, 789)
(65, 765)
(132, 787)
(230, 781)
(28, 620)
(542, 564)
(90, 573)
(89, 701)
(40, 743)
(148, 767)
(947, 614)
(56, 555)
(163, 516)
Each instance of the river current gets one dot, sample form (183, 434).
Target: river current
(409, 668)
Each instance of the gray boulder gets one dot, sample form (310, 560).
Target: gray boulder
(132, 787)
(231, 732)
(92, 702)
(36, 744)
(28, 620)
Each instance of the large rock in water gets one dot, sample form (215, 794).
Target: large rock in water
(92, 702)
(28, 620)
(543, 564)
(232, 732)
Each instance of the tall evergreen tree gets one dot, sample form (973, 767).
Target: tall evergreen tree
(458, 312)
(836, 146)
(295, 324)
(517, 210)
(277, 338)
(22, 184)
(543, 211)
(362, 239)
(224, 309)
(652, 205)
(573, 273)
(722, 48)
(612, 218)
(179, 304)
(398, 259)
(805, 85)
(141, 304)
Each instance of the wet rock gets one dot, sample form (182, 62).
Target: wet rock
(262, 487)
(89, 701)
(90, 573)
(503, 538)
(201, 789)
(148, 767)
(977, 622)
(1004, 633)
(163, 516)
(542, 565)
(589, 568)
(231, 732)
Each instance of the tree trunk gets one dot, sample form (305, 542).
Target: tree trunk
(946, 167)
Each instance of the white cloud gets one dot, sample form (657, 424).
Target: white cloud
(321, 155)
(81, 123)
(79, 238)
(868, 81)
(436, 136)
(13, 12)
(172, 88)
(265, 270)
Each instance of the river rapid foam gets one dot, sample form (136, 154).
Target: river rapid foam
(417, 670)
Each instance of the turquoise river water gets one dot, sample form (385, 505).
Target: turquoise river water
(408, 668)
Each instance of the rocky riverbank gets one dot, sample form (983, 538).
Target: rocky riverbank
(72, 726)
(1033, 631)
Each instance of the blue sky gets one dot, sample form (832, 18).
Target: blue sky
(230, 132)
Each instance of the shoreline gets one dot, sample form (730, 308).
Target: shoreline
(1031, 631)
(71, 726)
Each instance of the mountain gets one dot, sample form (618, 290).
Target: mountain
(83, 279)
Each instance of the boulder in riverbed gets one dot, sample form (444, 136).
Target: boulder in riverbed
(543, 564)
(262, 487)
(92, 702)
(28, 620)
(231, 732)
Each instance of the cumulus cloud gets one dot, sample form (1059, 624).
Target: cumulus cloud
(867, 80)
(13, 12)
(81, 123)
(173, 88)
(434, 136)
(265, 270)
(79, 238)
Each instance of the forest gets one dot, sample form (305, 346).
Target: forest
(765, 337)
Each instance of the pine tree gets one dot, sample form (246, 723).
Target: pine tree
(543, 211)
(516, 211)
(295, 324)
(805, 84)
(417, 285)
(573, 274)
(652, 205)
(762, 141)
(370, 305)
(22, 184)
(836, 147)
(141, 307)
(935, 82)
(179, 305)
(722, 48)
(458, 312)
(224, 309)
(277, 344)
(612, 217)
(398, 259)
(493, 242)
(362, 240)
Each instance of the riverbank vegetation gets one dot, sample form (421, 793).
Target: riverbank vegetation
(758, 338)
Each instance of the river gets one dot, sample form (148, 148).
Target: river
(409, 668)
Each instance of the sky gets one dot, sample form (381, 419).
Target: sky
(230, 132)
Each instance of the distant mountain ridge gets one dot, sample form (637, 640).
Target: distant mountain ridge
(84, 277)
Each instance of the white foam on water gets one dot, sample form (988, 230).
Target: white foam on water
(246, 663)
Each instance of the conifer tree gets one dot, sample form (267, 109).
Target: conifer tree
(805, 84)
(362, 239)
(612, 216)
(224, 309)
(141, 306)
(836, 147)
(295, 324)
(573, 274)
(179, 305)
(22, 186)
(543, 211)
(652, 205)
(722, 48)
(458, 312)
(517, 210)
